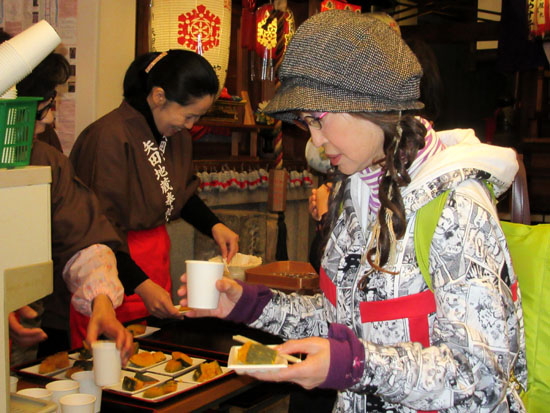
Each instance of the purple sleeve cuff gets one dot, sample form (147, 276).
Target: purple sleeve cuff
(347, 358)
(251, 304)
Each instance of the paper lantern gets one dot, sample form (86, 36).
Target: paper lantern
(339, 5)
(194, 25)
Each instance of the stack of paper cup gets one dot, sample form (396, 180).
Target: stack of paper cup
(22, 53)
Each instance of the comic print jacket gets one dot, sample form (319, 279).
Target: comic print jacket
(454, 353)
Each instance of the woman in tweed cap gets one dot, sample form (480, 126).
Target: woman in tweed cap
(377, 332)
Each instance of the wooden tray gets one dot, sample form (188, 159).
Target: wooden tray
(284, 275)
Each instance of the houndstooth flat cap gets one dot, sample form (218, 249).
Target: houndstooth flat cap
(341, 61)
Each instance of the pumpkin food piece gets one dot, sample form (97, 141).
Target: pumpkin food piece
(184, 358)
(85, 353)
(207, 371)
(54, 362)
(143, 359)
(79, 365)
(137, 382)
(173, 365)
(159, 356)
(252, 353)
(160, 390)
(136, 329)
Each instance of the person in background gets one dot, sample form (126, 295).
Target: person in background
(138, 160)
(82, 239)
(378, 333)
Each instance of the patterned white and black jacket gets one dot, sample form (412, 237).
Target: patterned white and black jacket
(396, 346)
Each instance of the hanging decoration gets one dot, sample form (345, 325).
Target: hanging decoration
(538, 15)
(203, 27)
(339, 5)
(274, 28)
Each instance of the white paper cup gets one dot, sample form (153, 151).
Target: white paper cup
(13, 384)
(77, 403)
(36, 42)
(107, 367)
(12, 66)
(37, 393)
(88, 386)
(62, 388)
(201, 283)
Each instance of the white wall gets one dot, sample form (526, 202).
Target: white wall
(105, 48)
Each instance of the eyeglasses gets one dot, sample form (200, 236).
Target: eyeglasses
(309, 121)
(41, 113)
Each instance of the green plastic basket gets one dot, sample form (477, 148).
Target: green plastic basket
(17, 118)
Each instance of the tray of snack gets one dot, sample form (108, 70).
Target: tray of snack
(177, 373)
(284, 275)
(153, 387)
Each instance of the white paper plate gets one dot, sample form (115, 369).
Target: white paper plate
(148, 331)
(159, 369)
(234, 363)
(133, 367)
(181, 387)
(34, 369)
(118, 387)
(188, 377)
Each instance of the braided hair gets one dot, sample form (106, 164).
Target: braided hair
(404, 136)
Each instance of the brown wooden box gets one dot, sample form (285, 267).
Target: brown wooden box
(284, 275)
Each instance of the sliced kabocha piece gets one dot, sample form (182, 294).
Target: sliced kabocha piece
(136, 329)
(146, 358)
(135, 348)
(158, 356)
(85, 353)
(79, 365)
(252, 353)
(54, 362)
(179, 361)
(207, 371)
(137, 382)
(160, 390)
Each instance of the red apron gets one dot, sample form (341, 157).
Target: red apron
(416, 308)
(150, 249)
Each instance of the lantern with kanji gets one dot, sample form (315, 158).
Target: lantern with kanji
(202, 26)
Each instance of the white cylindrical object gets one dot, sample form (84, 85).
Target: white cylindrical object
(13, 384)
(87, 385)
(77, 403)
(36, 42)
(23, 52)
(107, 367)
(37, 393)
(201, 283)
(62, 388)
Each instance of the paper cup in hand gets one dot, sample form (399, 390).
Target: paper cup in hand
(201, 283)
(86, 380)
(77, 403)
(60, 388)
(106, 363)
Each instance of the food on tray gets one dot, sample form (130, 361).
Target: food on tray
(135, 348)
(137, 382)
(161, 389)
(146, 358)
(253, 353)
(182, 308)
(207, 371)
(54, 362)
(85, 352)
(79, 365)
(179, 361)
(136, 329)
